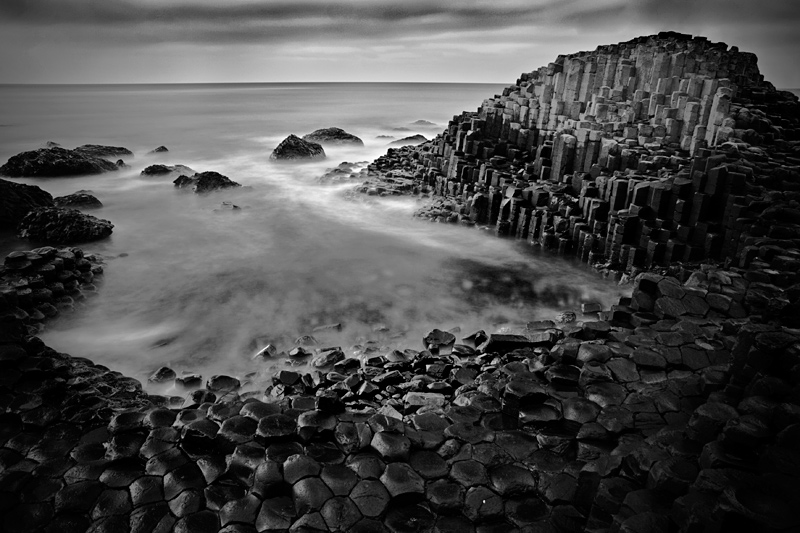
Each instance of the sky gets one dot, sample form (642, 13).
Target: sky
(481, 41)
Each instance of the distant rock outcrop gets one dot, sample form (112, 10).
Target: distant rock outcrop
(294, 148)
(158, 150)
(54, 162)
(97, 150)
(160, 170)
(62, 225)
(17, 199)
(204, 182)
(413, 139)
(332, 136)
(79, 199)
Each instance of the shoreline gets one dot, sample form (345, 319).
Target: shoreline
(675, 409)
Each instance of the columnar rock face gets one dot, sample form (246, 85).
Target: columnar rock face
(665, 148)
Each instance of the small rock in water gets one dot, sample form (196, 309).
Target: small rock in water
(158, 150)
(62, 225)
(222, 383)
(189, 381)
(332, 136)
(566, 317)
(204, 182)
(305, 340)
(328, 357)
(78, 199)
(162, 375)
(294, 148)
(266, 352)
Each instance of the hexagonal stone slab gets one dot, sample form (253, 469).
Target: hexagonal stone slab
(401, 480)
(391, 446)
(340, 514)
(310, 494)
(275, 513)
(371, 497)
(339, 479)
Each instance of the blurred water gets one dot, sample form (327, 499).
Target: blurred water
(200, 290)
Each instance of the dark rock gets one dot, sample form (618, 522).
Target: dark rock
(17, 199)
(79, 199)
(162, 375)
(54, 162)
(158, 150)
(204, 182)
(340, 514)
(310, 494)
(60, 225)
(469, 473)
(409, 519)
(294, 148)
(332, 136)
(502, 343)
(481, 503)
(160, 170)
(391, 446)
(97, 150)
(371, 497)
(401, 481)
(411, 140)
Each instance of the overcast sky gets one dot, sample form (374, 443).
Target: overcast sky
(155, 41)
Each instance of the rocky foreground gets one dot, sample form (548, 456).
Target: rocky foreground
(668, 159)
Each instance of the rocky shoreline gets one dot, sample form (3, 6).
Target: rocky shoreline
(673, 410)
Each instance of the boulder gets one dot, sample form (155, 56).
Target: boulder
(62, 225)
(204, 182)
(293, 148)
(332, 136)
(84, 199)
(160, 170)
(97, 150)
(54, 162)
(16, 200)
(158, 150)
(413, 139)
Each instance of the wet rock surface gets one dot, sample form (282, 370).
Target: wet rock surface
(17, 199)
(332, 136)
(293, 148)
(162, 170)
(55, 162)
(674, 410)
(205, 182)
(78, 200)
(62, 225)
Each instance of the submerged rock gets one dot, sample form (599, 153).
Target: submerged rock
(160, 170)
(62, 225)
(16, 200)
(84, 199)
(293, 147)
(55, 162)
(413, 139)
(205, 182)
(98, 150)
(332, 136)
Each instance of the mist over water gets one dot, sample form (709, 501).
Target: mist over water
(200, 288)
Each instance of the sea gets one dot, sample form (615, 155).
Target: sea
(199, 287)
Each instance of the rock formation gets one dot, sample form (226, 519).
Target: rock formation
(16, 200)
(335, 136)
(54, 162)
(97, 150)
(293, 148)
(160, 170)
(674, 410)
(204, 182)
(411, 140)
(58, 225)
(79, 199)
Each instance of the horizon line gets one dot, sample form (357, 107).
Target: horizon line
(251, 83)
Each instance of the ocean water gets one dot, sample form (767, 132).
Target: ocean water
(201, 290)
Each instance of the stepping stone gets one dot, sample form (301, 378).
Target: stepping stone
(511, 480)
(200, 522)
(340, 514)
(311, 423)
(297, 467)
(366, 466)
(238, 429)
(325, 453)
(593, 352)
(187, 502)
(606, 394)
(184, 477)
(276, 427)
(428, 464)
(112, 502)
(453, 524)
(580, 410)
(280, 451)
(409, 519)
(159, 418)
(258, 410)
(310, 494)
(481, 503)
(469, 473)
(445, 495)
(401, 480)
(339, 479)
(467, 432)
(147, 519)
(268, 479)
(243, 510)
(275, 514)
(528, 511)
(352, 437)
(371, 497)
(146, 489)
(391, 446)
